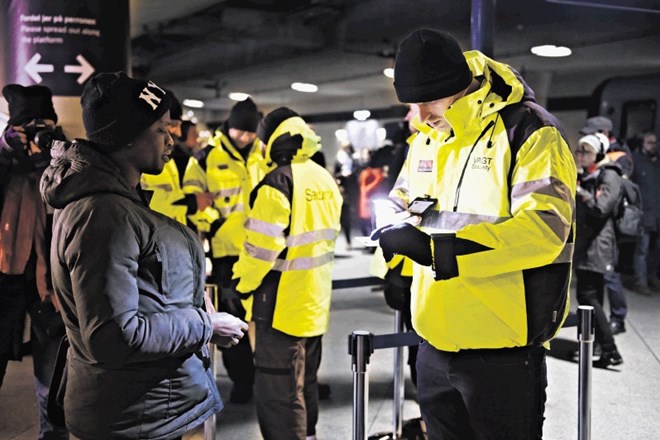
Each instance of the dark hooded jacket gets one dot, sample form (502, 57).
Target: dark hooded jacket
(595, 242)
(130, 282)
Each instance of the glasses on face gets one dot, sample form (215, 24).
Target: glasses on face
(583, 152)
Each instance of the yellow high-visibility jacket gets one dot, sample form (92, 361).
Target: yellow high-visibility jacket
(505, 218)
(288, 256)
(225, 173)
(166, 190)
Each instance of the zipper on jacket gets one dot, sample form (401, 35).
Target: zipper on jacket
(460, 180)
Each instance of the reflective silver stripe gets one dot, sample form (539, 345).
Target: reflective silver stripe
(554, 222)
(163, 186)
(263, 227)
(260, 253)
(228, 192)
(226, 211)
(197, 183)
(311, 237)
(548, 186)
(304, 263)
(566, 254)
(454, 221)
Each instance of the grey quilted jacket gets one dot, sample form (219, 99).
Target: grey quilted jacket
(130, 282)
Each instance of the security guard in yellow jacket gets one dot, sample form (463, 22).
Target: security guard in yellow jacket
(167, 195)
(493, 254)
(230, 167)
(286, 265)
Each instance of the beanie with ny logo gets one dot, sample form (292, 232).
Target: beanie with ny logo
(117, 108)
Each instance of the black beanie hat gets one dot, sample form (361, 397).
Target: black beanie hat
(244, 116)
(28, 103)
(117, 108)
(176, 111)
(429, 65)
(269, 124)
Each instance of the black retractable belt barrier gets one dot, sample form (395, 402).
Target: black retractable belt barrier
(209, 424)
(356, 282)
(361, 344)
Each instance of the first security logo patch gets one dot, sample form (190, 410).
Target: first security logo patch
(425, 166)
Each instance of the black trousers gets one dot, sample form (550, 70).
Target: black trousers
(590, 292)
(496, 394)
(286, 388)
(237, 359)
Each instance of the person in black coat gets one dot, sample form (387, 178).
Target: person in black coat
(598, 196)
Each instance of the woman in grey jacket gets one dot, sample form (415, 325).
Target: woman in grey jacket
(599, 193)
(130, 280)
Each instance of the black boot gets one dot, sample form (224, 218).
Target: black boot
(608, 358)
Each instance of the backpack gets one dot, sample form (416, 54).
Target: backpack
(629, 220)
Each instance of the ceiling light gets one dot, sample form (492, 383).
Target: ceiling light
(389, 72)
(304, 87)
(238, 96)
(550, 50)
(361, 115)
(193, 103)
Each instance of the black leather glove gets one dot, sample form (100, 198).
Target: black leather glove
(405, 239)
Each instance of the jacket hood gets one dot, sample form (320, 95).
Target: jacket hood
(78, 170)
(608, 163)
(296, 126)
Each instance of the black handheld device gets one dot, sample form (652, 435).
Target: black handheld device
(421, 205)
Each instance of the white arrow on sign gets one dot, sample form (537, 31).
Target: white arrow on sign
(83, 68)
(33, 68)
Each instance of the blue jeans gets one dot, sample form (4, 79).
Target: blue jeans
(645, 261)
(478, 394)
(616, 296)
(44, 353)
(47, 431)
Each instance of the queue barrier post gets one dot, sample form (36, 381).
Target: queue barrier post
(399, 381)
(585, 355)
(360, 347)
(209, 425)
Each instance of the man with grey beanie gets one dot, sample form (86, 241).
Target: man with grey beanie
(130, 281)
(492, 253)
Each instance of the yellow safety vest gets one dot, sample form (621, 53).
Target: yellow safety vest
(231, 179)
(166, 190)
(520, 208)
(291, 232)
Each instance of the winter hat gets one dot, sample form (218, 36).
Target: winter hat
(429, 65)
(185, 128)
(268, 124)
(244, 116)
(117, 108)
(596, 143)
(596, 124)
(28, 103)
(176, 112)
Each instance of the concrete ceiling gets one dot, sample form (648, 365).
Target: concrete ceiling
(206, 49)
